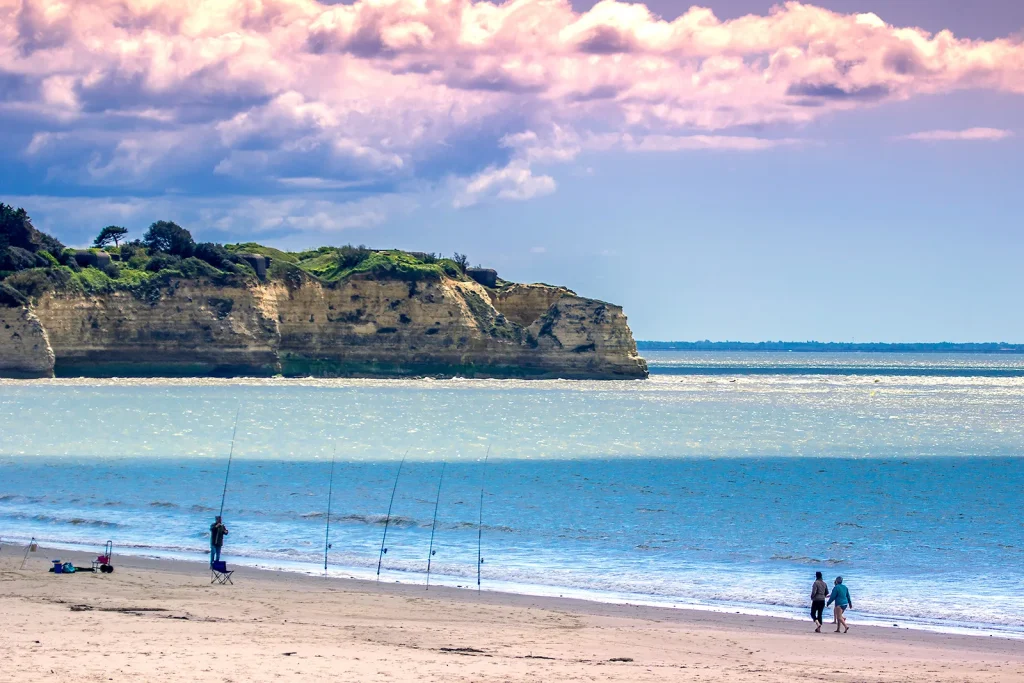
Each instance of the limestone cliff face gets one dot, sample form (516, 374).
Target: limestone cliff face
(24, 348)
(359, 327)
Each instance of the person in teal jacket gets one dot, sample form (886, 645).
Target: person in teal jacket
(841, 596)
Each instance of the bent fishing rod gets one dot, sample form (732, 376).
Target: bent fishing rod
(387, 520)
(433, 527)
(330, 492)
(480, 524)
(231, 454)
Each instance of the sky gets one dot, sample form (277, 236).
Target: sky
(846, 170)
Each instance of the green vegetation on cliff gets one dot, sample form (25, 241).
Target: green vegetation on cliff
(32, 262)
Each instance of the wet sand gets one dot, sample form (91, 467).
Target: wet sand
(157, 620)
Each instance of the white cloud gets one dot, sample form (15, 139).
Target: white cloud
(952, 135)
(514, 181)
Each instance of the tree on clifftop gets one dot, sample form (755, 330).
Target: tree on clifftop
(461, 260)
(169, 238)
(111, 233)
(16, 230)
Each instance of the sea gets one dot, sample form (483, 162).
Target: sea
(721, 483)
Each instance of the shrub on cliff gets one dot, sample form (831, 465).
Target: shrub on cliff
(351, 257)
(16, 258)
(16, 230)
(216, 255)
(94, 280)
(162, 262)
(10, 297)
(131, 249)
(36, 281)
(169, 238)
(398, 265)
(194, 268)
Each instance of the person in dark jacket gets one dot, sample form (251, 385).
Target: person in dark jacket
(217, 533)
(819, 593)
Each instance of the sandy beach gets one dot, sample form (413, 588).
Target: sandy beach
(162, 620)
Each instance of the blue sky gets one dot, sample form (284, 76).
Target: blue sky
(815, 176)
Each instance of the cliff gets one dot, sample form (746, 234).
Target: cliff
(24, 348)
(365, 324)
(166, 306)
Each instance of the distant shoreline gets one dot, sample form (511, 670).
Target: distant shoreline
(834, 347)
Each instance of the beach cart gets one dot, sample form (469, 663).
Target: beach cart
(102, 561)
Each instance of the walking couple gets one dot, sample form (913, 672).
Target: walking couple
(840, 596)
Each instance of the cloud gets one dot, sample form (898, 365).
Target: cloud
(966, 134)
(513, 181)
(149, 95)
(210, 218)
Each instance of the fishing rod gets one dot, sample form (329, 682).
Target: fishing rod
(231, 454)
(433, 526)
(330, 492)
(480, 524)
(380, 558)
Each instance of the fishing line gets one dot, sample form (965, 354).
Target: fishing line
(330, 492)
(480, 524)
(231, 454)
(380, 558)
(433, 526)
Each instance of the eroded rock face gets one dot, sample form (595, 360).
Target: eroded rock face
(24, 348)
(359, 327)
(523, 304)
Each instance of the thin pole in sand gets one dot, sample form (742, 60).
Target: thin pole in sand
(380, 559)
(231, 454)
(433, 527)
(480, 524)
(330, 492)
(31, 545)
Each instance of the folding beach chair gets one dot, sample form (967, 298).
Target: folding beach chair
(221, 573)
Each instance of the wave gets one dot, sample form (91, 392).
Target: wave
(379, 520)
(73, 521)
(200, 508)
(830, 562)
(461, 526)
(163, 504)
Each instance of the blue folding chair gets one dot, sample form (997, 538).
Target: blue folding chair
(221, 573)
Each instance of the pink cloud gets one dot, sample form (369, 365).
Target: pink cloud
(951, 135)
(382, 88)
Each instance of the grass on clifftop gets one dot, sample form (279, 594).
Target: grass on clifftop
(333, 264)
(32, 262)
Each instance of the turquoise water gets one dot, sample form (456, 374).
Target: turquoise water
(721, 490)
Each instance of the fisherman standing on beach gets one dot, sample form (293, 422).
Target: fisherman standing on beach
(841, 596)
(819, 593)
(217, 533)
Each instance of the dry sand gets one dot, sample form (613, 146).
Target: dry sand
(162, 621)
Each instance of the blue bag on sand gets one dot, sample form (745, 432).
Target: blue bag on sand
(69, 568)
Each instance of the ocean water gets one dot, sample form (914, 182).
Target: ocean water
(723, 489)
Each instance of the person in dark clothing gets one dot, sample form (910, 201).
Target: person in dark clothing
(819, 593)
(217, 533)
